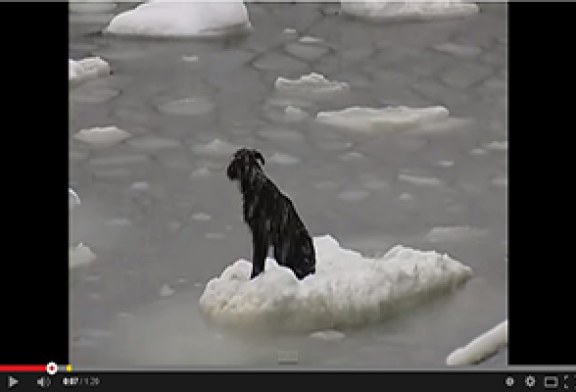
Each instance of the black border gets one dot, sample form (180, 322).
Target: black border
(541, 267)
(35, 177)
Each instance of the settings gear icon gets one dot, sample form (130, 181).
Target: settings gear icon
(530, 381)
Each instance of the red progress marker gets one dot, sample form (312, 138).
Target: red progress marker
(22, 368)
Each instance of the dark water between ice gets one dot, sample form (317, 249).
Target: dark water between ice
(157, 208)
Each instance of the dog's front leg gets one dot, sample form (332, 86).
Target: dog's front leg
(259, 252)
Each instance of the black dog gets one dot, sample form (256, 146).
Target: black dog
(271, 217)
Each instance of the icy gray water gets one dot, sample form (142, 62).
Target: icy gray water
(163, 219)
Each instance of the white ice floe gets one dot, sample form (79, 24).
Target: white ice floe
(215, 148)
(283, 159)
(385, 119)
(80, 255)
(172, 18)
(408, 10)
(311, 85)
(310, 40)
(73, 199)
(453, 233)
(480, 348)
(86, 69)
(347, 289)
(420, 180)
(102, 135)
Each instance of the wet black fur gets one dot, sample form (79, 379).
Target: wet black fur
(271, 217)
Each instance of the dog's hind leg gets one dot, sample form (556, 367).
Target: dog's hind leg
(260, 246)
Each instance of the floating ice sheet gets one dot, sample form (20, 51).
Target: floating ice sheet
(102, 135)
(347, 289)
(169, 18)
(86, 69)
(314, 84)
(480, 348)
(408, 10)
(80, 255)
(385, 119)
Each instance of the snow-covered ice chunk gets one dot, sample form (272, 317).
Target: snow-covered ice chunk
(408, 10)
(73, 199)
(480, 348)
(386, 119)
(102, 135)
(80, 255)
(420, 180)
(170, 18)
(89, 68)
(313, 84)
(193, 106)
(453, 233)
(347, 289)
(283, 159)
(289, 30)
(215, 148)
(329, 334)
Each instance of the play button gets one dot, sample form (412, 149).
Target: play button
(12, 382)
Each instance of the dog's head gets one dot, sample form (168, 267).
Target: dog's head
(244, 160)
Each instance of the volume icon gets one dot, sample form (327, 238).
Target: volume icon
(43, 382)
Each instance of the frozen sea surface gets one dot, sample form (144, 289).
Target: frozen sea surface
(162, 219)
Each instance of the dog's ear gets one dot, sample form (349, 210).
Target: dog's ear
(233, 171)
(259, 156)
